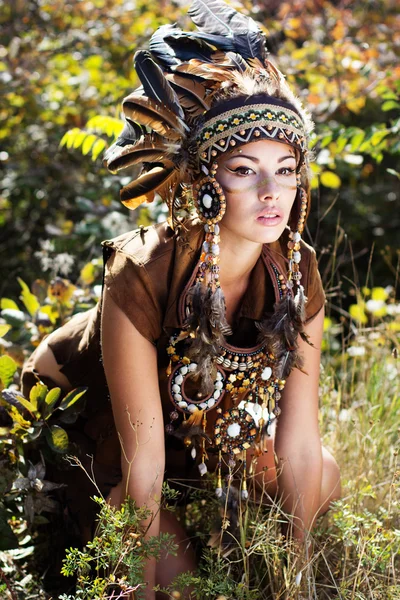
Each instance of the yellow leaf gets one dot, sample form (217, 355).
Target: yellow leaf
(330, 179)
(97, 148)
(87, 274)
(356, 104)
(8, 303)
(88, 143)
(51, 312)
(30, 301)
(4, 329)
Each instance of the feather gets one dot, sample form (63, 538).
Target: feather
(235, 60)
(151, 148)
(189, 44)
(162, 50)
(142, 189)
(147, 112)
(204, 70)
(130, 134)
(280, 333)
(154, 83)
(192, 429)
(193, 96)
(225, 26)
(208, 320)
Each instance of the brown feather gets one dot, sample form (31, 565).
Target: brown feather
(193, 96)
(150, 148)
(204, 70)
(141, 109)
(143, 188)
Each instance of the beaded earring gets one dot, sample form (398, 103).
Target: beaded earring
(294, 256)
(210, 203)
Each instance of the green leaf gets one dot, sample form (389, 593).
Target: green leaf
(30, 301)
(8, 540)
(15, 318)
(4, 329)
(341, 143)
(356, 140)
(88, 143)
(8, 303)
(378, 136)
(8, 366)
(72, 397)
(390, 105)
(57, 439)
(37, 395)
(326, 140)
(51, 399)
(98, 147)
(330, 179)
(27, 405)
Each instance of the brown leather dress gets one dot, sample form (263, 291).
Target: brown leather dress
(148, 274)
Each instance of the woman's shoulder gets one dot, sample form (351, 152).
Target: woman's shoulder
(144, 270)
(146, 245)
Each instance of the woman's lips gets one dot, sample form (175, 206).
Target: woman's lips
(270, 219)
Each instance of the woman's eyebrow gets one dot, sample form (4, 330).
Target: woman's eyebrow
(253, 158)
(282, 158)
(256, 160)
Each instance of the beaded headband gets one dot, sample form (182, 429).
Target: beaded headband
(247, 119)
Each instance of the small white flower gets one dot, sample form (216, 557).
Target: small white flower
(344, 415)
(373, 306)
(393, 309)
(63, 263)
(356, 351)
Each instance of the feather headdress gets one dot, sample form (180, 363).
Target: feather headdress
(183, 76)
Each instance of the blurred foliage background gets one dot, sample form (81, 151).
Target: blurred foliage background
(65, 66)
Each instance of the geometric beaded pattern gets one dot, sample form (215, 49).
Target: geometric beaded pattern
(234, 127)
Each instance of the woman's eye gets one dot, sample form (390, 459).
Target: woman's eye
(286, 171)
(242, 170)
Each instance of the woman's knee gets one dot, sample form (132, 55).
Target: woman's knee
(45, 364)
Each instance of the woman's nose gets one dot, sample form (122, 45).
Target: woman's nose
(268, 189)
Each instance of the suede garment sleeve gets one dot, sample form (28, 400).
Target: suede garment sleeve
(129, 285)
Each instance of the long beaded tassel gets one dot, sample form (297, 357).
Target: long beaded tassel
(209, 267)
(294, 256)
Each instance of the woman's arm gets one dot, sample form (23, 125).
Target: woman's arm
(298, 444)
(130, 364)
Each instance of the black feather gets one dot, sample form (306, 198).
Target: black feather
(159, 48)
(190, 45)
(208, 320)
(154, 83)
(280, 333)
(131, 133)
(221, 24)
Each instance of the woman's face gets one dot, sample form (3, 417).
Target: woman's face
(259, 183)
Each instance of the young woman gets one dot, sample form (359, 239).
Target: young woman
(209, 328)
